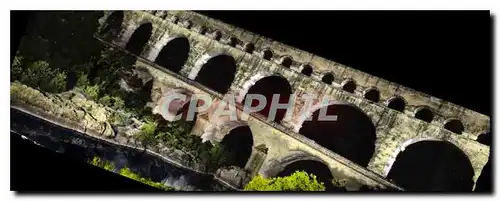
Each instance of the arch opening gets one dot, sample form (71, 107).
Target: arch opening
(424, 114)
(112, 26)
(218, 73)
(320, 170)
(397, 103)
(280, 86)
(455, 126)
(139, 38)
(237, 145)
(249, 48)
(174, 54)
(327, 78)
(217, 35)
(267, 54)
(352, 135)
(306, 70)
(203, 30)
(349, 86)
(372, 95)
(233, 41)
(433, 166)
(484, 138)
(286, 62)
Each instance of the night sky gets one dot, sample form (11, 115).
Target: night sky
(444, 54)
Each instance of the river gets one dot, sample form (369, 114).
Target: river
(82, 147)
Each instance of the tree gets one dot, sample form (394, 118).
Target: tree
(64, 38)
(298, 181)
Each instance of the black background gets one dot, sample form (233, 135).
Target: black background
(445, 54)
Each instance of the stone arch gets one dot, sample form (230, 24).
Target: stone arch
(454, 125)
(286, 61)
(139, 38)
(372, 94)
(424, 113)
(216, 72)
(432, 165)
(249, 48)
(301, 161)
(306, 70)
(216, 35)
(233, 41)
(351, 135)
(396, 103)
(267, 54)
(237, 144)
(174, 54)
(328, 78)
(349, 85)
(259, 84)
(112, 26)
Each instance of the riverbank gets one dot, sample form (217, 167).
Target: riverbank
(81, 147)
(56, 110)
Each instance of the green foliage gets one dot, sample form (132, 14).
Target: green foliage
(126, 172)
(132, 175)
(118, 103)
(148, 133)
(103, 164)
(92, 91)
(82, 81)
(117, 118)
(59, 51)
(298, 181)
(105, 100)
(64, 38)
(38, 75)
(17, 68)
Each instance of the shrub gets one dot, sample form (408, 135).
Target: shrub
(118, 103)
(298, 181)
(92, 91)
(128, 173)
(105, 100)
(103, 164)
(147, 133)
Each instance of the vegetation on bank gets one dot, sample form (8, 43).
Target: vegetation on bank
(128, 173)
(298, 181)
(58, 53)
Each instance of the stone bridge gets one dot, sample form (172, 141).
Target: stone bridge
(379, 122)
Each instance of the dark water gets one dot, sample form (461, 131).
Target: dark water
(84, 148)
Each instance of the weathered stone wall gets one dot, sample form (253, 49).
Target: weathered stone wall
(394, 129)
(281, 142)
